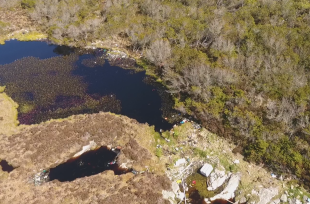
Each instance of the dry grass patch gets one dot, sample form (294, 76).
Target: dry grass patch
(25, 35)
(8, 115)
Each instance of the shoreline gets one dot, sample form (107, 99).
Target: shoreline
(121, 46)
(205, 147)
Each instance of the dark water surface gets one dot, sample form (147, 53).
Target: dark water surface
(13, 50)
(5, 166)
(89, 163)
(195, 198)
(50, 81)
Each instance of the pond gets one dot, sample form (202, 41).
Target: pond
(5, 166)
(89, 163)
(50, 81)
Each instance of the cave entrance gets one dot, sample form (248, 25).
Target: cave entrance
(89, 163)
(5, 166)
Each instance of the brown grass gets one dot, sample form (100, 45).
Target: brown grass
(8, 115)
(48, 144)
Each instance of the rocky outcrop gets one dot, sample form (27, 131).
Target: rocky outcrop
(276, 201)
(283, 198)
(91, 146)
(217, 179)
(180, 162)
(168, 195)
(229, 191)
(242, 200)
(266, 194)
(294, 201)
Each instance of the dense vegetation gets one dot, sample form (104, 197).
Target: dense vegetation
(240, 66)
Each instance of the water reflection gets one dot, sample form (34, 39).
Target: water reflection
(76, 83)
(63, 50)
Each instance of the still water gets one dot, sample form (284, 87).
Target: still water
(89, 163)
(50, 81)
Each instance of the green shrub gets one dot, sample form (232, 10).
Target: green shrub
(28, 4)
(159, 152)
(200, 153)
(256, 151)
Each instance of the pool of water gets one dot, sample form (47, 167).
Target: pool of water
(50, 81)
(89, 163)
(6, 166)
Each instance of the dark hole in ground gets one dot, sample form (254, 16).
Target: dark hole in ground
(89, 163)
(5, 166)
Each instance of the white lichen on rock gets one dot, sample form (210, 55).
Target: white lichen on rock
(92, 145)
(229, 191)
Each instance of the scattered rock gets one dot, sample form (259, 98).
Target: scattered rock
(117, 54)
(206, 169)
(281, 178)
(266, 194)
(92, 145)
(294, 201)
(254, 192)
(41, 177)
(284, 198)
(276, 201)
(180, 162)
(168, 195)
(217, 178)
(229, 191)
(207, 200)
(236, 161)
(242, 200)
(175, 187)
(297, 201)
(181, 196)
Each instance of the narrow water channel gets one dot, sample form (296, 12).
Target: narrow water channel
(49, 81)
